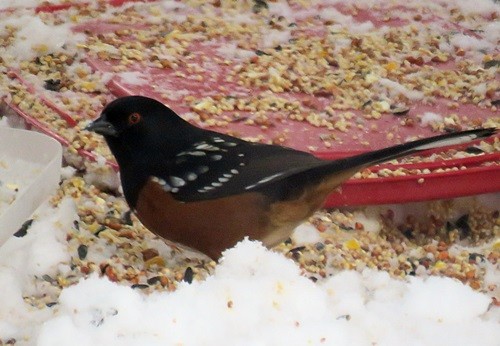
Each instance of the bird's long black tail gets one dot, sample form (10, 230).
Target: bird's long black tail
(394, 152)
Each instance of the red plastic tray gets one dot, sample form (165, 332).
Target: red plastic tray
(479, 176)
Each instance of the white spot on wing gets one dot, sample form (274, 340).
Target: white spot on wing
(271, 177)
(196, 153)
(176, 181)
(207, 147)
(162, 183)
(447, 142)
(202, 169)
(230, 144)
(158, 180)
(263, 180)
(216, 157)
(192, 153)
(191, 176)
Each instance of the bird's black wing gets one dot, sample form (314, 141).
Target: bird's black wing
(220, 166)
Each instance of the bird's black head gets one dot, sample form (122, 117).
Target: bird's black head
(142, 133)
(136, 126)
(134, 115)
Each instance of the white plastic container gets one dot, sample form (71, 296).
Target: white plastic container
(38, 149)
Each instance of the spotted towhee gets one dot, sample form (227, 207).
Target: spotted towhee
(208, 190)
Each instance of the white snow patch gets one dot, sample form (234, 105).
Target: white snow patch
(11, 4)
(428, 118)
(275, 37)
(133, 78)
(369, 221)
(306, 234)
(470, 43)
(483, 7)
(231, 51)
(34, 37)
(346, 21)
(254, 289)
(396, 89)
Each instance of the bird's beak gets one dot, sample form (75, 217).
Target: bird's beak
(102, 127)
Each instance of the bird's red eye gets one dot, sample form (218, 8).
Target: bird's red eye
(134, 118)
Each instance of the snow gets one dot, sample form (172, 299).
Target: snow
(37, 253)
(275, 37)
(255, 296)
(483, 7)
(396, 88)
(347, 21)
(429, 117)
(306, 234)
(368, 220)
(34, 37)
(133, 78)
(492, 32)
(292, 14)
(230, 50)
(470, 43)
(6, 4)
(254, 289)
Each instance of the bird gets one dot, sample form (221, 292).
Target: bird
(207, 190)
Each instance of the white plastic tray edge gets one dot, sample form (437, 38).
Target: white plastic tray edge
(34, 147)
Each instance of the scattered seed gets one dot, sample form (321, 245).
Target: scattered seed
(188, 275)
(297, 249)
(491, 63)
(53, 84)
(344, 317)
(319, 246)
(408, 233)
(399, 110)
(140, 286)
(366, 104)
(127, 218)
(476, 258)
(99, 230)
(259, 5)
(154, 280)
(474, 150)
(463, 226)
(149, 254)
(155, 261)
(82, 251)
(259, 52)
(23, 230)
(48, 278)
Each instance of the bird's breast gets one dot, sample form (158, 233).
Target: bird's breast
(210, 226)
